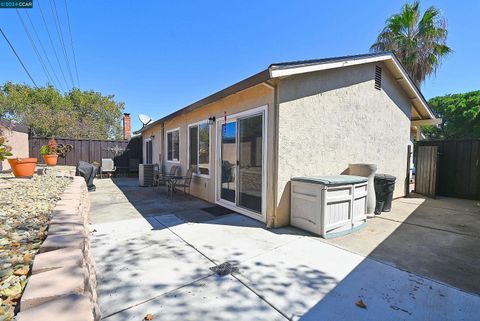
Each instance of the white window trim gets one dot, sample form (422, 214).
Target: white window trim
(209, 147)
(174, 161)
(146, 140)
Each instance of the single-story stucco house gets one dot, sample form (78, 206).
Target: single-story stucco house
(299, 118)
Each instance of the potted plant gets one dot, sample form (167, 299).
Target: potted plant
(21, 167)
(50, 153)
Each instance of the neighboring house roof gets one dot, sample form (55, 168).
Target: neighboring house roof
(11, 125)
(421, 109)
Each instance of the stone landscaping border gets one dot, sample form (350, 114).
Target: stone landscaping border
(63, 281)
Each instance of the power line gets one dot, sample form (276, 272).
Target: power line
(51, 43)
(49, 78)
(44, 51)
(18, 57)
(71, 42)
(58, 26)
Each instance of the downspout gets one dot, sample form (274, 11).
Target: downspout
(272, 219)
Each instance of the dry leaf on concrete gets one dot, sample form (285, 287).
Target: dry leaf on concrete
(361, 304)
(148, 317)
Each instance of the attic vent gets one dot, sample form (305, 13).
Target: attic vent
(378, 77)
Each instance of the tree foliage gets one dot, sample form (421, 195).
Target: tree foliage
(76, 114)
(460, 115)
(419, 41)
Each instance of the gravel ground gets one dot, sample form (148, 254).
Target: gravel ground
(25, 206)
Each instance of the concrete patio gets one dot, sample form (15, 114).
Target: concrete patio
(153, 255)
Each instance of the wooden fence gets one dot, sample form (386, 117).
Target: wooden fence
(123, 152)
(426, 178)
(457, 168)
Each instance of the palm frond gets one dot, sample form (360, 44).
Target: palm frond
(419, 41)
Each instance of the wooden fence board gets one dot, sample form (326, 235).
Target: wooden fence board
(426, 179)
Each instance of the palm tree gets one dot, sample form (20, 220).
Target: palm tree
(418, 41)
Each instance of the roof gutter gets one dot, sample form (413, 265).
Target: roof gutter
(279, 71)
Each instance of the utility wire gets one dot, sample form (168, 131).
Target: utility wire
(71, 42)
(51, 43)
(18, 57)
(58, 26)
(44, 52)
(40, 59)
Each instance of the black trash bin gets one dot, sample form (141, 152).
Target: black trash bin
(384, 187)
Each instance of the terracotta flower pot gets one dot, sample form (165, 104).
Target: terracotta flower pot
(23, 167)
(50, 160)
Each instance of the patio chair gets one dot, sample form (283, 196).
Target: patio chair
(184, 182)
(162, 179)
(107, 167)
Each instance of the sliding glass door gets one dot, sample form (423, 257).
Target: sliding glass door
(250, 159)
(228, 162)
(241, 162)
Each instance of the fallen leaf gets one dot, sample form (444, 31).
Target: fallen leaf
(21, 271)
(149, 317)
(361, 304)
(15, 244)
(27, 258)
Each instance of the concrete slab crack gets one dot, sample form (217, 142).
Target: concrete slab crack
(232, 274)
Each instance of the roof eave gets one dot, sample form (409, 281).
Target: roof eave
(251, 81)
(282, 70)
(286, 70)
(279, 71)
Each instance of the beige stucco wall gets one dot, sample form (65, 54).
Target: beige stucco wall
(204, 187)
(331, 118)
(19, 143)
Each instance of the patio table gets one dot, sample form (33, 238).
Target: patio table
(171, 180)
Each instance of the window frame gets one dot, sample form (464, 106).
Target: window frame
(173, 160)
(197, 124)
(148, 140)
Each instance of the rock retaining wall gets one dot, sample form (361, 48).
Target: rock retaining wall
(63, 282)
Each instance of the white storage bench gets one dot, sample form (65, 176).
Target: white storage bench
(329, 205)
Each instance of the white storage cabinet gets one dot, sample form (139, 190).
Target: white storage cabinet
(329, 205)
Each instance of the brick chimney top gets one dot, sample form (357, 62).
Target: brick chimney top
(127, 126)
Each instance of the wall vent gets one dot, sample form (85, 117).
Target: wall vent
(378, 77)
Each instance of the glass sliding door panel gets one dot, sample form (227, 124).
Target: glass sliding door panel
(228, 162)
(250, 156)
(193, 139)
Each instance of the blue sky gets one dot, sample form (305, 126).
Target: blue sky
(159, 56)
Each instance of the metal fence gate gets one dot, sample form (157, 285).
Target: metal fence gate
(457, 168)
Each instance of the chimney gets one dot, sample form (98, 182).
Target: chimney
(127, 127)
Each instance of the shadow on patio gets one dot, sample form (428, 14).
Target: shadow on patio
(287, 273)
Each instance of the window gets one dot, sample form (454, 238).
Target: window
(173, 145)
(199, 149)
(148, 151)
